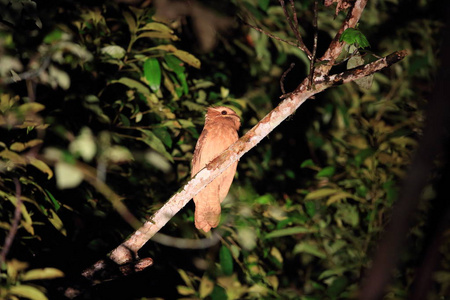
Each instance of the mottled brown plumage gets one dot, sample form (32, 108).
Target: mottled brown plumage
(219, 132)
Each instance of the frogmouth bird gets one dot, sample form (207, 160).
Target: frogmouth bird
(220, 131)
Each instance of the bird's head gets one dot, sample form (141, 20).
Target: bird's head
(223, 115)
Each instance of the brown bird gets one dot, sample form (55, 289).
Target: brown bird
(219, 132)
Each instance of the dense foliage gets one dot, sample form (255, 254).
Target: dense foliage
(101, 106)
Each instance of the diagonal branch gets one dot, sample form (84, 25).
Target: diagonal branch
(128, 250)
(294, 27)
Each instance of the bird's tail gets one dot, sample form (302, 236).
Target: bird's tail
(207, 215)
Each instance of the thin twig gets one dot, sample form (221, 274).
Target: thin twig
(15, 225)
(313, 58)
(294, 28)
(295, 25)
(271, 35)
(28, 74)
(283, 76)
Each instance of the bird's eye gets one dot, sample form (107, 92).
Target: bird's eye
(224, 112)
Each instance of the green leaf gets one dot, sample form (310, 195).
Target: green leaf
(354, 36)
(219, 293)
(326, 172)
(55, 202)
(348, 214)
(155, 143)
(163, 135)
(289, 231)
(226, 260)
(263, 4)
(152, 72)
(310, 208)
(307, 163)
(391, 191)
(332, 272)
(362, 155)
(188, 58)
(53, 36)
(265, 199)
(337, 287)
(174, 63)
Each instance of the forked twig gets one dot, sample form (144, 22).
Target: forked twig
(294, 27)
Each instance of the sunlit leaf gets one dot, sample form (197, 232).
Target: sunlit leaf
(42, 166)
(133, 84)
(187, 280)
(185, 290)
(183, 55)
(206, 286)
(158, 161)
(84, 145)
(27, 291)
(276, 254)
(18, 147)
(57, 222)
(305, 247)
(156, 27)
(39, 274)
(114, 51)
(29, 108)
(321, 193)
(289, 231)
(131, 21)
(67, 175)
